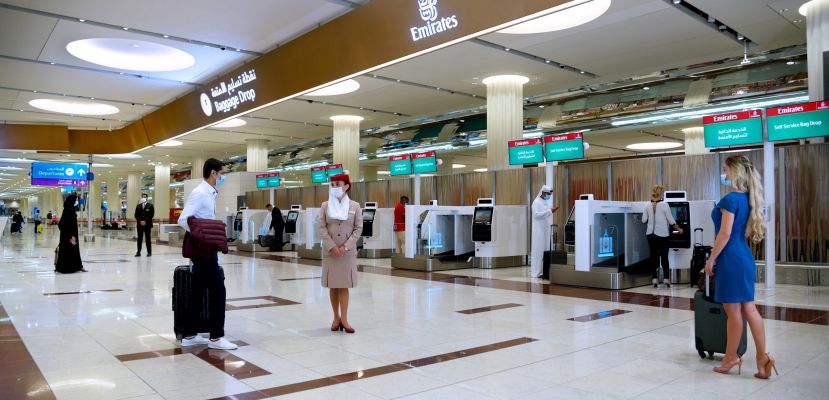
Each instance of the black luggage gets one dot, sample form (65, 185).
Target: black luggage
(552, 256)
(710, 326)
(699, 257)
(183, 315)
(266, 240)
(15, 227)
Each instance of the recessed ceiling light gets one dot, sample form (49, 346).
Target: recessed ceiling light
(355, 118)
(74, 107)
(458, 166)
(654, 146)
(506, 78)
(120, 53)
(564, 18)
(343, 87)
(231, 123)
(804, 9)
(126, 156)
(170, 143)
(646, 88)
(790, 62)
(480, 170)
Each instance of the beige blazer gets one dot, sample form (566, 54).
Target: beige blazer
(340, 272)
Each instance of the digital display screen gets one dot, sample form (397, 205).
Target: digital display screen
(368, 215)
(679, 212)
(292, 216)
(483, 215)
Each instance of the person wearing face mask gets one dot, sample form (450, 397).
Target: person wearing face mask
(658, 217)
(144, 213)
(400, 225)
(208, 277)
(340, 225)
(69, 252)
(542, 221)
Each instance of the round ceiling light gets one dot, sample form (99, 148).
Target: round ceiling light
(804, 9)
(654, 146)
(343, 87)
(517, 79)
(74, 107)
(133, 55)
(231, 123)
(564, 19)
(352, 118)
(170, 143)
(458, 166)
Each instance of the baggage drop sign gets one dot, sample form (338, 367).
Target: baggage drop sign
(569, 146)
(262, 181)
(798, 121)
(527, 151)
(733, 129)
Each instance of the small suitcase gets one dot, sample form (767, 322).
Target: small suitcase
(710, 325)
(698, 258)
(183, 314)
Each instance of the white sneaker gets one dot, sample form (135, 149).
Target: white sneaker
(222, 344)
(195, 341)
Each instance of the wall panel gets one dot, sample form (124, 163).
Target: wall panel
(475, 186)
(807, 203)
(280, 197)
(633, 180)
(401, 187)
(427, 190)
(309, 197)
(449, 189)
(588, 178)
(511, 187)
(377, 191)
(698, 175)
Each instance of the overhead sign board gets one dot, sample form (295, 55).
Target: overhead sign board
(274, 180)
(798, 121)
(52, 174)
(262, 181)
(569, 146)
(400, 165)
(425, 163)
(733, 129)
(526, 151)
(318, 175)
(334, 169)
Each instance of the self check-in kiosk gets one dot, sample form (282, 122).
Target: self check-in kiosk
(250, 222)
(293, 227)
(437, 238)
(378, 235)
(500, 235)
(694, 217)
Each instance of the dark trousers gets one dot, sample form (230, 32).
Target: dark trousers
(209, 283)
(659, 252)
(145, 233)
(37, 223)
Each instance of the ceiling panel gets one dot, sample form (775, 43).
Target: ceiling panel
(29, 31)
(760, 21)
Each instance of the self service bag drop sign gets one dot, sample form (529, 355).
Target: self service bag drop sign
(798, 121)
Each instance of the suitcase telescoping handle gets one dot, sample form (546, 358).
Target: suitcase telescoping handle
(698, 242)
(707, 286)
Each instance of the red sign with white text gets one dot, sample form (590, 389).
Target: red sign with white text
(424, 155)
(524, 142)
(559, 138)
(797, 108)
(737, 116)
(399, 158)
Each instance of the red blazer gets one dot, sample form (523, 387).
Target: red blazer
(206, 237)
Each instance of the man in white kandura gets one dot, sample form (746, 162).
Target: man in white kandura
(542, 221)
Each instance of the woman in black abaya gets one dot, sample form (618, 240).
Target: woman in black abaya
(69, 254)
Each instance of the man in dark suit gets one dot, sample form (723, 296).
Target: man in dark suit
(278, 226)
(144, 213)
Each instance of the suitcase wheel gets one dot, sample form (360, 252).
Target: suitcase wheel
(701, 354)
(710, 354)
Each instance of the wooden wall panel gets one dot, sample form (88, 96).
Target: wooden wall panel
(475, 186)
(449, 189)
(401, 187)
(807, 203)
(588, 178)
(377, 191)
(280, 197)
(427, 190)
(633, 180)
(698, 175)
(309, 197)
(358, 192)
(294, 197)
(511, 187)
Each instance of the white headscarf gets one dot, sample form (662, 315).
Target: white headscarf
(545, 189)
(338, 208)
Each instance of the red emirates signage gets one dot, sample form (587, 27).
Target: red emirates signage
(524, 142)
(737, 116)
(797, 108)
(424, 155)
(317, 169)
(560, 138)
(399, 158)
(334, 166)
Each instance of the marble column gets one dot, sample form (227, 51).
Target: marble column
(133, 193)
(504, 117)
(94, 200)
(347, 144)
(817, 43)
(161, 196)
(113, 198)
(257, 155)
(198, 164)
(694, 141)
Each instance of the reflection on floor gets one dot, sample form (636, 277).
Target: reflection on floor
(460, 334)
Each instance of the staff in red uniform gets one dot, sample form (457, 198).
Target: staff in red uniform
(400, 224)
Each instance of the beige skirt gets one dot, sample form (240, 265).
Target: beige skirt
(339, 272)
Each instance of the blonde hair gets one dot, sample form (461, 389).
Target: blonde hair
(745, 178)
(658, 191)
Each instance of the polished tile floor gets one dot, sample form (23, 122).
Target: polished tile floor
(477, 334)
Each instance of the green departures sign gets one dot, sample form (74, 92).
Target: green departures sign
(733, 129)
(569, 146)
(528, 151)
(798, 121)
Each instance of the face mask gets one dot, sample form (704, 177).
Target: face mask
(336, 192)
(220, 181)
(76, 203)
(143, 200)
(724, 179)
(545, 197)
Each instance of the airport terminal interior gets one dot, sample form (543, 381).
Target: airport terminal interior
(537, 187)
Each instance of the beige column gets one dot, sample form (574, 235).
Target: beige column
(817, 43)
(161, 196)
(370, 173)
(113, 199)
(347, 144)
(94, 200)
(198, 164)
(133, 193)
(257, 155)
(504, 117)
(694, 140)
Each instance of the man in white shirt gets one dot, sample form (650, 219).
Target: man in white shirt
(207, 274)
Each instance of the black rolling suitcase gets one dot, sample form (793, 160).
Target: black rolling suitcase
(183, 315)
(710, 325)
(700, 255)
(552, 256)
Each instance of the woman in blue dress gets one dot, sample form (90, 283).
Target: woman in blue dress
(738, 217)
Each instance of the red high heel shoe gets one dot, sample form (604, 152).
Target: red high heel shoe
(337, 327)
(347, 330)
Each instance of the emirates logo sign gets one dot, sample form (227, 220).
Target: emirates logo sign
(434, 24)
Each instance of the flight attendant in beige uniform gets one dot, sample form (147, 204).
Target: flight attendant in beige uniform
(340, 225)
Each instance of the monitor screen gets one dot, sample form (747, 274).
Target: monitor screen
(680, 212)
(368, 215)
(292, 216)
(483, 214)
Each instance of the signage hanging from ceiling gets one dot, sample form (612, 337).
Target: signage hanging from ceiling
(400, 165)
(526, 151)
(733, 129)
(433, 24)
(269, 180)
(798, 121)
(425, 163)
(52, 174)
(227, 96)
(334, 169)
(262, 181)
(318, 175)
(569, 146)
